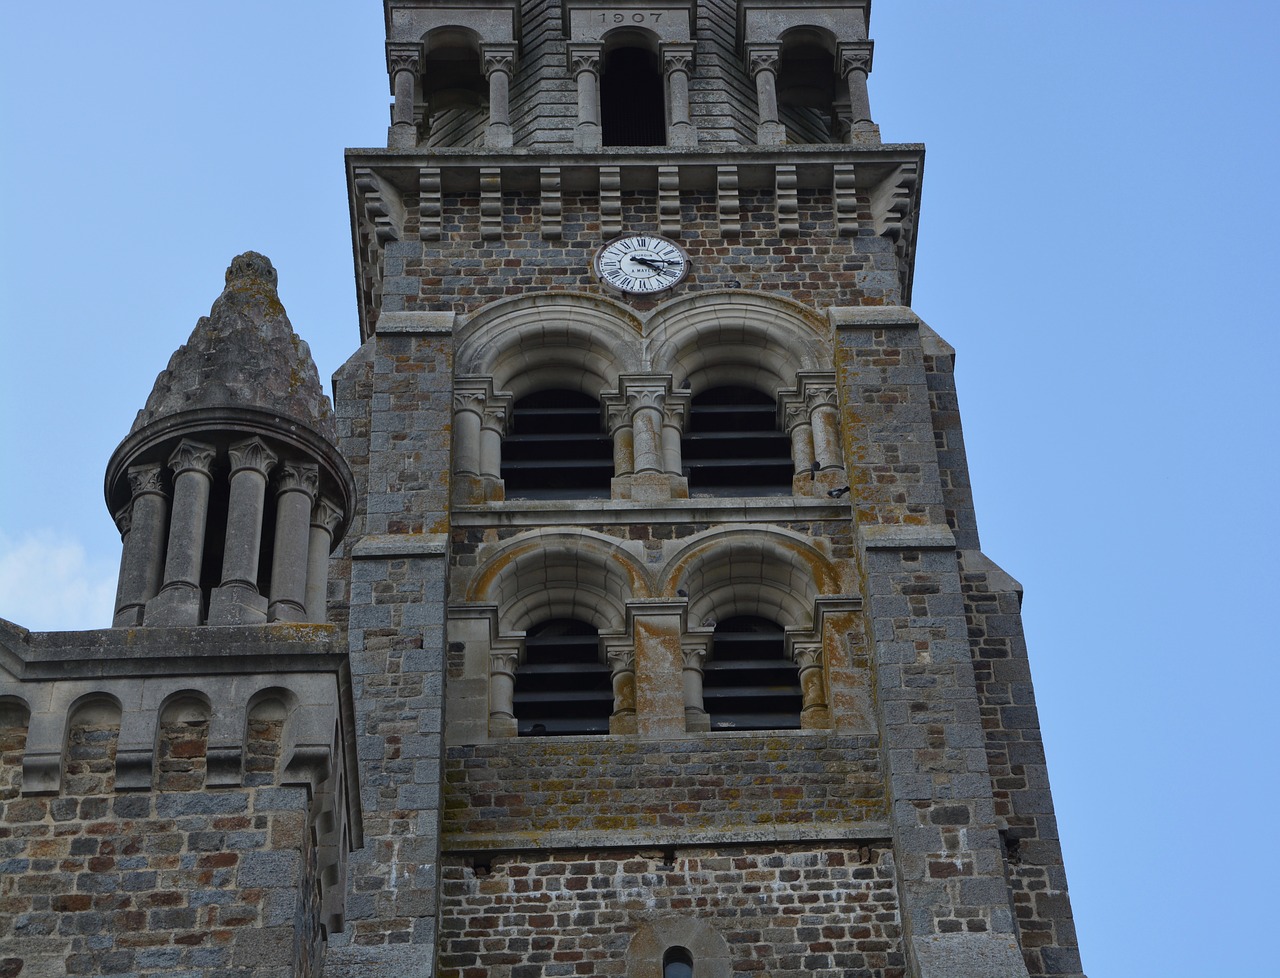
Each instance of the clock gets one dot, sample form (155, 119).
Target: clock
(641, 264)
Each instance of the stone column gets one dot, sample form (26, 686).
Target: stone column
(237, 601)
(675, 410)
(296, 489)
(855, 64)
(795, 422)
(468, 410)
(819, 392)
(763, 61)
(502, 688)
(584, 65)
(402, 63)
(617, 418)
(813, 688)
(326, 516)
(622, 660)
(179, 600)
(696, 717)
(498, 60)
(143, 524)
(493, 426)
(677, 58)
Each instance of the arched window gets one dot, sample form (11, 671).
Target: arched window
(807, 87)
(748, 681)
(732, 445)
(677, 962)
(562, 687)
(454, 88)
(556, 448)
(632, 97)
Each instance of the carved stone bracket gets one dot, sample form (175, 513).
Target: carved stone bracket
(845, 190)
(788, 202)
(669, 218)
(430, 204)
(610, 201)
(551, 202)
(728, 204)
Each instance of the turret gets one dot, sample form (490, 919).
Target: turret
(228, 491)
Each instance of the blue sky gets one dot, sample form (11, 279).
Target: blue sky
(1098, 241)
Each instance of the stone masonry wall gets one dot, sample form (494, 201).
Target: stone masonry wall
(787, 912)
(463, 270)
(181, 880)
(394, 407)
(1019, 774)
(547, 791)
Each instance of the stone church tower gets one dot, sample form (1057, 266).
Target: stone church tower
(624, 616)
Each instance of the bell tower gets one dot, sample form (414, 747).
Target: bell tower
(674, 649)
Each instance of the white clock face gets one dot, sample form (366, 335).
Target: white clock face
(641, 264)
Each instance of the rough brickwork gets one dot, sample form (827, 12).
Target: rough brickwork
(180, 880)
(465, 270)
(499, 794)
(1019, 775)
(827, 912)
(395, 402)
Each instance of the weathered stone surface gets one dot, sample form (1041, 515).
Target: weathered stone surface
(244, 354)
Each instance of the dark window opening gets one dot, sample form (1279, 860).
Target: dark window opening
(562, 687)
(677, 963)
(632, 101)
(748, 681)
(733, 446)
(556, 448)
(807, 92)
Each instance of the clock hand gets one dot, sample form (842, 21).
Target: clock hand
(650, 263)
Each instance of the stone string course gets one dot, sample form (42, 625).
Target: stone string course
(786, 912)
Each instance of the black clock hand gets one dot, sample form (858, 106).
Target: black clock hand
(648, 263)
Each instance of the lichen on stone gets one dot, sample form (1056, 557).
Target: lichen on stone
(244, 354)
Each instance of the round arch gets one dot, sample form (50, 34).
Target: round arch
(564, 574)
(761, 571)
(732, 338)
(551, 340)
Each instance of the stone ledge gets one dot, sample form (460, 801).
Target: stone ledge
(898, 536)
(725, 509)
(399, 323)
(742, 835)
(400, 545)
(969, 956)
(872, 317)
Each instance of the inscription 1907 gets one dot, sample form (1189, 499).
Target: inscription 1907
(631, 17)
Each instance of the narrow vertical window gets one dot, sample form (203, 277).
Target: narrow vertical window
(632, 99)
(677, 963)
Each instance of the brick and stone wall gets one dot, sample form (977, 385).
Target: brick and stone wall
(715, 786)
(182, 879)
(785, 911)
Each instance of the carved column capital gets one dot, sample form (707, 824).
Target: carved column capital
(402, 57)
(326, 514)
(675, 409)
(621, 659)
(470, 400)
(677, 56)
(252, 454)
(303, 477)
(503, 662)
(694, 657)
(145, 479)
(192, 456)
(584, 57)
(617, 414)
(816, 397)
(807, 656)
(763, 57)
(854, 56)
(497, 57)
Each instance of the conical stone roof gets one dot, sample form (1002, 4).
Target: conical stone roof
(243, 355)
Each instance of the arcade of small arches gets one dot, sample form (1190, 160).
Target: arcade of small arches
(575, 635)
(632, 73)
(568, 396)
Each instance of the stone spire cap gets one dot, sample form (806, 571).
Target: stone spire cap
(243, 355)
